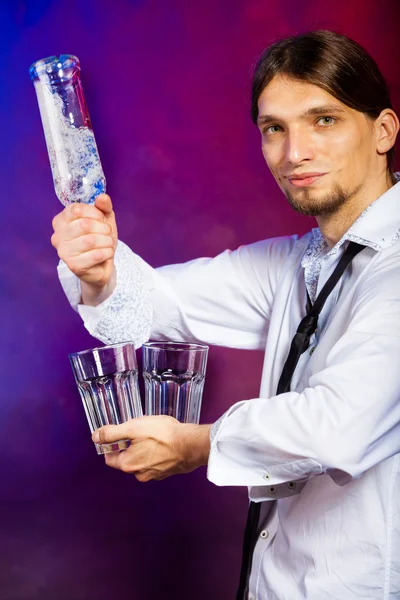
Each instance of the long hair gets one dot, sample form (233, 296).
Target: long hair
(334, 63)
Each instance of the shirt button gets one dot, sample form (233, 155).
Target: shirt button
(312, 350)
(264, 534)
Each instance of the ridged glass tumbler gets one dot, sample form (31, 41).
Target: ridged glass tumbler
(107, 380)
(174, 375)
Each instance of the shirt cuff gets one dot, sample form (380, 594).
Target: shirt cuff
(234, 462)
(127, 314)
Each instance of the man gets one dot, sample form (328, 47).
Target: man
(320, 450)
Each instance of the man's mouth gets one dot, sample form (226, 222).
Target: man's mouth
(304, 179)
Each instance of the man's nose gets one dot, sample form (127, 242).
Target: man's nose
(298, 147)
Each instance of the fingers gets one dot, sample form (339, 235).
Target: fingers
(58, 220)
(84, 244)
(155, 451)
(127, 462)
(81, 211)
(84, 226)
(83, 263)
(113, 460)
(83, 236)
(113, 433)
(78, 211)
(123, 461)
(139, 428)
(104, 204)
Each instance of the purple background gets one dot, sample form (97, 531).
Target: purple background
(167, 84)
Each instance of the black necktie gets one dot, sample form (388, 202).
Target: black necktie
(308, 326)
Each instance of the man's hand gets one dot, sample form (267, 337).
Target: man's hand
(85, 237)
(160, 446)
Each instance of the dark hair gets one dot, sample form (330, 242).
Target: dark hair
(334, 63)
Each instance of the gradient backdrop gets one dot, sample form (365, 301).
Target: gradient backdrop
(167, 84)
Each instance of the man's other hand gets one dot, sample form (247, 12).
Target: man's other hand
(160, 446)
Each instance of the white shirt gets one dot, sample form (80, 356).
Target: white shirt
(328, 450)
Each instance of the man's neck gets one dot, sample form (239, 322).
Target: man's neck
(333, 227)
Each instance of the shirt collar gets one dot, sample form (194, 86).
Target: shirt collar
(378, 226)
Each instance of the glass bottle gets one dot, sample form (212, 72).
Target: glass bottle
(75, 163)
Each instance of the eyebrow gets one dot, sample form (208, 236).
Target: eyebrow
(317, 110)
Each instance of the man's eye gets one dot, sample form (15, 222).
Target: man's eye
(272, 129)
(326, 120)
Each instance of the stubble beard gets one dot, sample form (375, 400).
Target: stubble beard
(321, 206)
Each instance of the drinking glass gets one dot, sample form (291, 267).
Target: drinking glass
(107, 380)
(174, 374)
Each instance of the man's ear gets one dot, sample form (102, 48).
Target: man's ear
(386, 127)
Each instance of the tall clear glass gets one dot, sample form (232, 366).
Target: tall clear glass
(107, 380)
(174, 375)
(75, 163)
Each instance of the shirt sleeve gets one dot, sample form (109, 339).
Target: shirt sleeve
(344, 423)
(127, 314)
(224, 300)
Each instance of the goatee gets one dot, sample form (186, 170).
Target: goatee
(306, 204)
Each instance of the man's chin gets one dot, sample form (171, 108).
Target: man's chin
(315, 202)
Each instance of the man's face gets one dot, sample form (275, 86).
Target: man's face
(319, 150)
